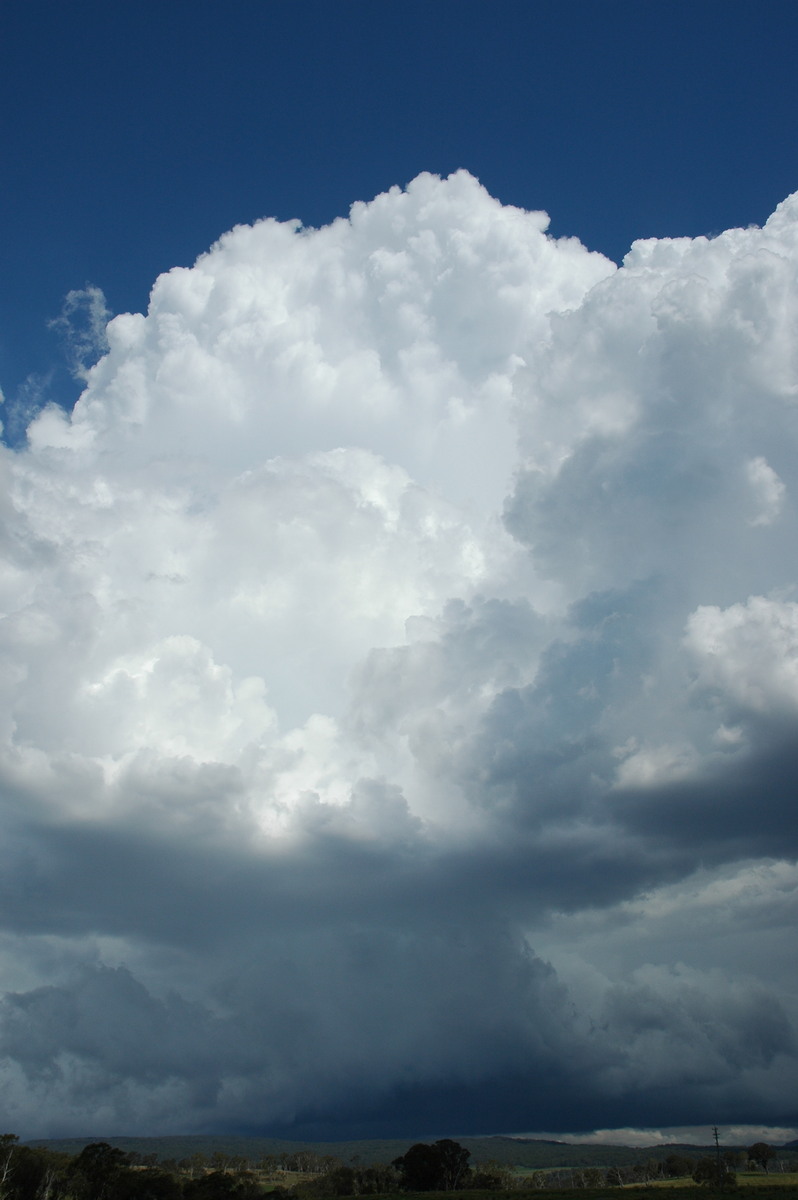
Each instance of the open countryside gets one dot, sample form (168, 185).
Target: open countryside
(235, 1168)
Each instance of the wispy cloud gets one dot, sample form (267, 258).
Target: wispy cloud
(81, 326)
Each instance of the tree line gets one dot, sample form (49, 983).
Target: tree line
(104, 1172)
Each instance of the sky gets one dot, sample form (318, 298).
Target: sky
(399, 597)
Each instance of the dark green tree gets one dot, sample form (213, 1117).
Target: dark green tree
(339, 1181)
(418, 1168)
(147, 1185)
(761, 1154)
(454, 1163)
(221, 1185)
(96, 1171)
(490, 1176)
(712, 1172)
(440, 1167)
(676, 1165)
(30, 1174)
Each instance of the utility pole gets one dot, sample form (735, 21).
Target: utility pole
(718, 1176)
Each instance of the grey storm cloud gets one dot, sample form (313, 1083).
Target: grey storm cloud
(400, 688)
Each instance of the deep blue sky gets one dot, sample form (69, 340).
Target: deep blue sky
(134, 135)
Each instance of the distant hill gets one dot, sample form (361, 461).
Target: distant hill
(510, 1151)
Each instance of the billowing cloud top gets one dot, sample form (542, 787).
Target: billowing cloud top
(400, 688)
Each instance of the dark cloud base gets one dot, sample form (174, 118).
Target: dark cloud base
(514, 1104)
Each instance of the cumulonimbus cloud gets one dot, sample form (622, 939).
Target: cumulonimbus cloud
(400, 597)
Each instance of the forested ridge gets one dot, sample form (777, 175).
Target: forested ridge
(509, 1151)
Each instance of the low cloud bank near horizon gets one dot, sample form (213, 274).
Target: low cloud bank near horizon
(680, 1135)
(400, 689)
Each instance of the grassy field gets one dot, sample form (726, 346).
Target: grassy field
(779, 1183)
(775, 1179)
(755, 1186)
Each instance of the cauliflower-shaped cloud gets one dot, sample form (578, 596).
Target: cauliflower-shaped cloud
(399, 596)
